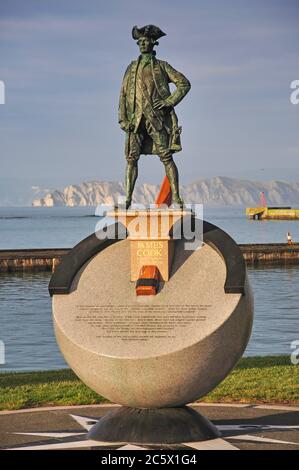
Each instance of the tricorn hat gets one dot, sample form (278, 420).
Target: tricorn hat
(149, 30)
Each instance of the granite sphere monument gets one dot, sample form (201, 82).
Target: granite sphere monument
(153, 352)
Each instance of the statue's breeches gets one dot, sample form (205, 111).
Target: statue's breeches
(148, 140)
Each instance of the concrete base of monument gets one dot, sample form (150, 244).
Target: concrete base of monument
(242, 427)
(153, 426)
(153, 354)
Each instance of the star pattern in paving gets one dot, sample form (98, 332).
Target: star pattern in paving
(78, 440)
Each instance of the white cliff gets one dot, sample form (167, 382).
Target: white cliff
(213, 191)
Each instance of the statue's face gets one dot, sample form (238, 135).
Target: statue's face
(145, 44)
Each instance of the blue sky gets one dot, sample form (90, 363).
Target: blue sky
(62, 62)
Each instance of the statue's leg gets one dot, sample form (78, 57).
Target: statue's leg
(131, 177)
(133, 155)
(161, 140)
(173, 176)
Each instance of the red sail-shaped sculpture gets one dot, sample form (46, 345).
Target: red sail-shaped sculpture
(165, 194)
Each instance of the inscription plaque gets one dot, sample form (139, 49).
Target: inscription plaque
(140, 323)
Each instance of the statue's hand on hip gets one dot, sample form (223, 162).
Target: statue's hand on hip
(160, 104)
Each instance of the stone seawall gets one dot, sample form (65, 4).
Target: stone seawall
(46, 259)
(270, 253)
(31, 259)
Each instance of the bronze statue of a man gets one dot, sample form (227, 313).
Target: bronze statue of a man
(146, 110)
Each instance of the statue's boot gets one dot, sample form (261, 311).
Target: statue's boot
(173, 176)
(131, 177)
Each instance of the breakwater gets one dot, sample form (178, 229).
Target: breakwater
(31, 260)
(272, 213)
(270, 253)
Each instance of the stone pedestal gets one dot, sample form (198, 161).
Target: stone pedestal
(153, 426)
(149, 235)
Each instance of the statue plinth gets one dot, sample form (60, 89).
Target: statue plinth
(151, 241)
